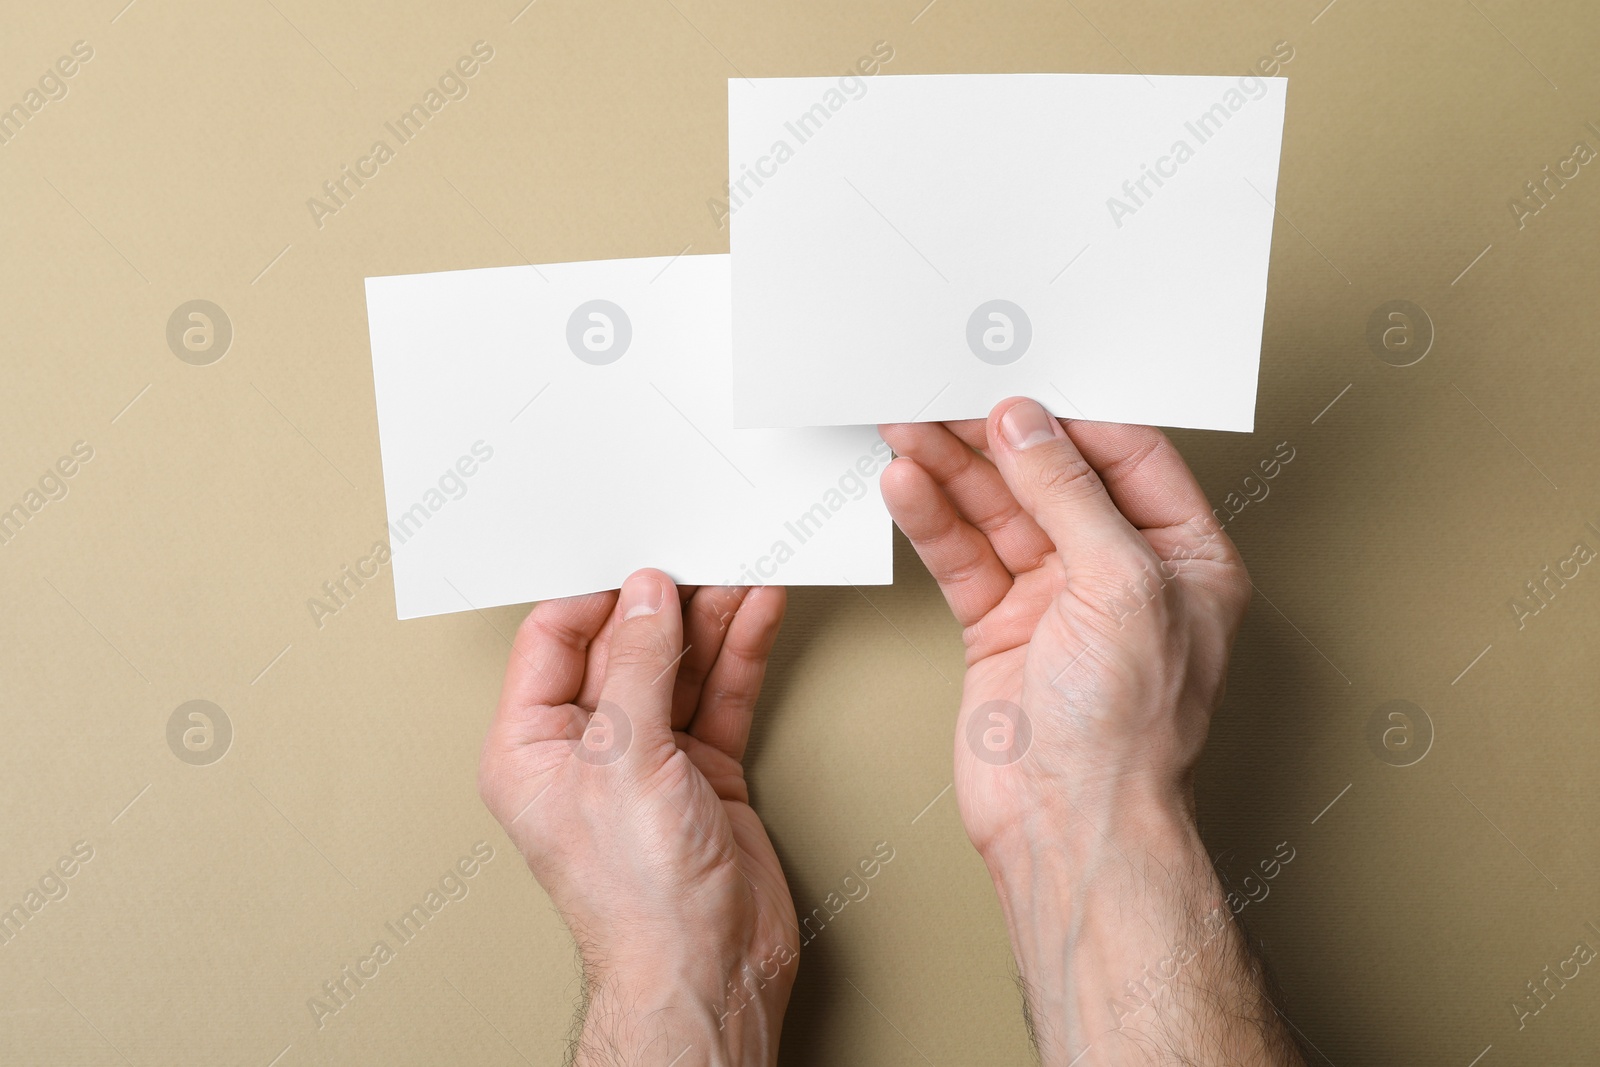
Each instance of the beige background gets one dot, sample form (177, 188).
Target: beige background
(219, 498)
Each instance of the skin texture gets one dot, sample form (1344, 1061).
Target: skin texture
(1099, 600)
(614, 764)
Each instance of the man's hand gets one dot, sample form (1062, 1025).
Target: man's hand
(614, 765)
(1100, 599)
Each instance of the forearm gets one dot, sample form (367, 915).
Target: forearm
(679, 1015)
(1127, 949)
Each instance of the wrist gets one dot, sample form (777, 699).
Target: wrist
(653, 1009)
(1065, 832)
(1103, 908)
(1051, 860)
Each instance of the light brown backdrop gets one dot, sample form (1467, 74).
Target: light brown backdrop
(219, 498)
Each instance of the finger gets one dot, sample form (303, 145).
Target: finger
(706, 619)
(1057, 486)
(974, 432)
(974, 486)
(546, 667)
(595, 676)
(1144, 473)
(960, 558)
(594, 679)
(728, 698)
(1143, 470)
(548, 656)
(641, 666)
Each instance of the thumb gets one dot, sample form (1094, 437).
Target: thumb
(633, 720)
(1057, 487)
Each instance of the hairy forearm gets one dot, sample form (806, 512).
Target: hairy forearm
(678, 1015)
(1127, 950)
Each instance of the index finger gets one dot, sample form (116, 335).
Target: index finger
(1142, 469)
(728, 699)
(1145, 474)
(550, 652)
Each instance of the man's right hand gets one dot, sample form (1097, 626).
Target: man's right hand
(1100, 599)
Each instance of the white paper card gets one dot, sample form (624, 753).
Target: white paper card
(920, 247)
(548, 430)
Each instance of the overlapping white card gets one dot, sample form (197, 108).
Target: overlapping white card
(548, 430)
(919, 247)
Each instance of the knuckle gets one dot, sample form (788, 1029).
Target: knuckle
(1067, 476)
(643, 647)
(723, 692)
(1153, 445)
(962, 572)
